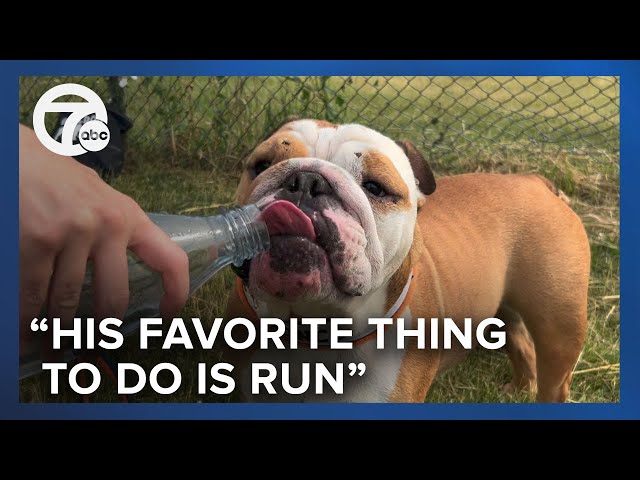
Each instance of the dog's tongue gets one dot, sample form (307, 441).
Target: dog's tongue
(284, 218)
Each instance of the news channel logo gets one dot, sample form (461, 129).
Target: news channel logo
(83, 130)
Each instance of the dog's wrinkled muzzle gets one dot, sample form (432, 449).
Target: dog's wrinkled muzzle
(321, 224)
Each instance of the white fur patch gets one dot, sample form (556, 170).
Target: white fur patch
(338, 145)
(375, 386)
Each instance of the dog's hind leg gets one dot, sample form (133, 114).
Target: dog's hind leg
(520, 351)
(558, 339)
(555, 314)
(552, 299)
(548, 285)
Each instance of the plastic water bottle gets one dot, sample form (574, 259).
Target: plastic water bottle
(211, 243)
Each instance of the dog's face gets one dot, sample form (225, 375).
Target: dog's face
(340, 203)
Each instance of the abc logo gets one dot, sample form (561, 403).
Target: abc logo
(94, 135)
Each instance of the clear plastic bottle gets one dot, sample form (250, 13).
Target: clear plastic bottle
(211, 243)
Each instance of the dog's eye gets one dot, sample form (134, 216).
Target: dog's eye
(260, 166)
(374, 189)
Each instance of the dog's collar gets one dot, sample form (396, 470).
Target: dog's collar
(323, 335)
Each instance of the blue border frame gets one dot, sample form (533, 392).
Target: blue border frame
(629, 406)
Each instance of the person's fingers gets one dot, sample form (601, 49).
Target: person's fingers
(110, 279)
(65, 287)
(163, 255)
(36, 268)
(66, 283)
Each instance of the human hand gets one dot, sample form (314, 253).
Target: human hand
(68, 215)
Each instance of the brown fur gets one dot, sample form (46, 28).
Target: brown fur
(325, 124)
(527, 259)
(279, 147)
(378, 168)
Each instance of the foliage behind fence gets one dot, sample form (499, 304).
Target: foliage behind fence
(217, 120)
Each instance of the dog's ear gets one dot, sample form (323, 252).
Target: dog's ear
(421, 169)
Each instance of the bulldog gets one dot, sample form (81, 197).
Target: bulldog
(359, 230)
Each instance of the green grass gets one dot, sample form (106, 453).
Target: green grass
(185, 162)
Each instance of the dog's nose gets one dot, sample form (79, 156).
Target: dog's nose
(307, 184)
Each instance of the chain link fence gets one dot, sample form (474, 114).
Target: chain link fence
(216, 121)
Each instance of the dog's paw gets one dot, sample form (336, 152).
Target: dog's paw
(509, 388)
(512, 388)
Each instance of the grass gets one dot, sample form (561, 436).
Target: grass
(186, 162)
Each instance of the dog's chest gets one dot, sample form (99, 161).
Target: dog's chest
(375, 385)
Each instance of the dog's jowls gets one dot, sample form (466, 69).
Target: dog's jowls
(354, 213)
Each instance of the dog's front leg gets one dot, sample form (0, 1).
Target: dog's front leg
(418, 371)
